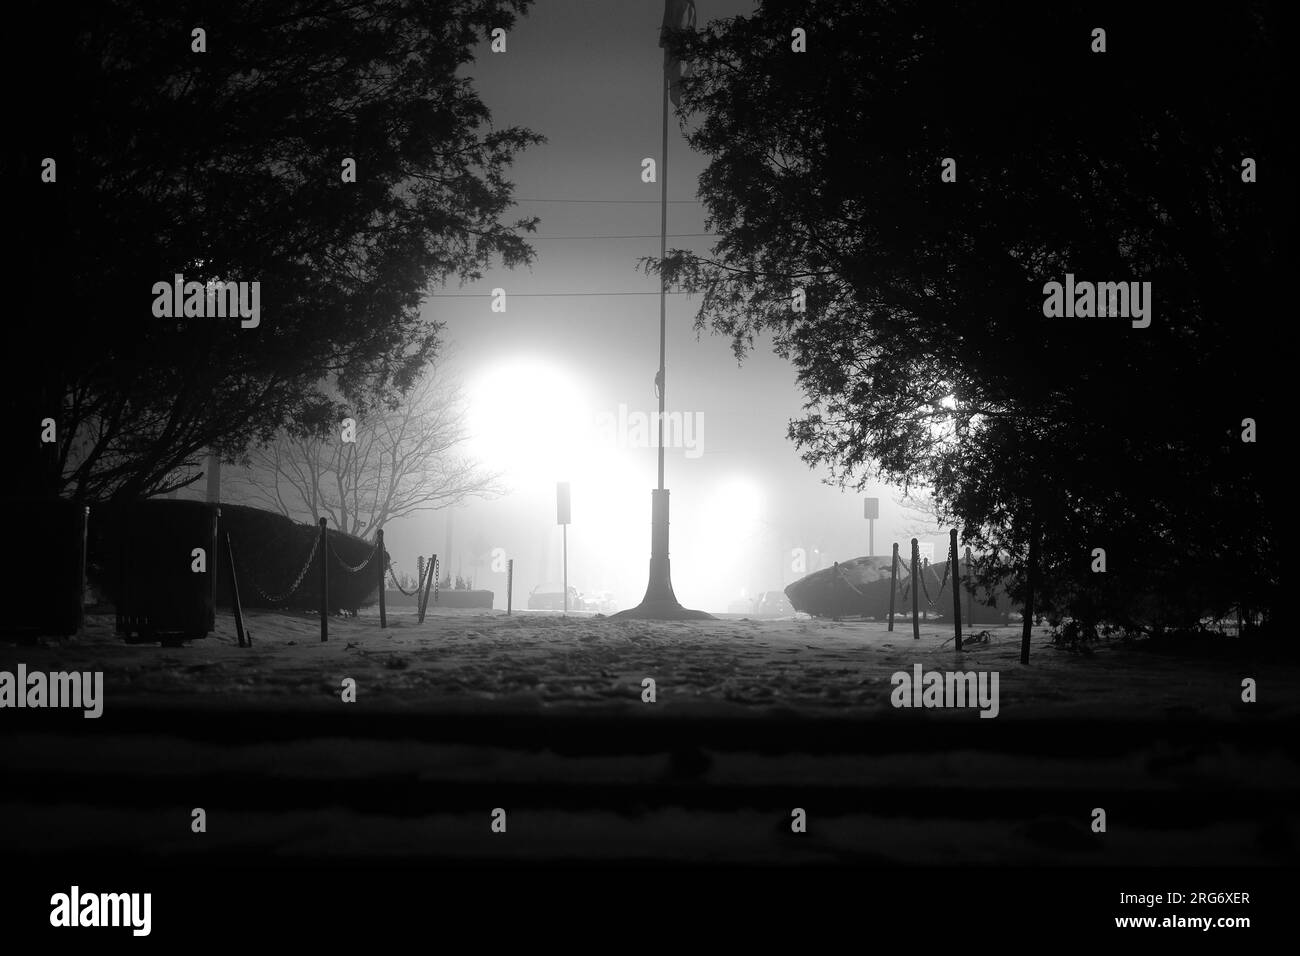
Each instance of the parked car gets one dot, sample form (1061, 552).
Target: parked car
(602, 601)
(550, 597)
(774, 604)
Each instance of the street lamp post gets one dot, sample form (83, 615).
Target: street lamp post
(660, 603)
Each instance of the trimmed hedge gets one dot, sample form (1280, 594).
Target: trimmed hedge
(463, 598)
(269, 552)
(474, 599)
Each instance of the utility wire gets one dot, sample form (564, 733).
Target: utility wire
(536, 295)
(671, 235)
(682, 202)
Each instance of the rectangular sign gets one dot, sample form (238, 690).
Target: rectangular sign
(562, 502)
(871, 508)
(926, 550)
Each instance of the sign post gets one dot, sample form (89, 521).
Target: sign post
(562, 518)
(871, 511)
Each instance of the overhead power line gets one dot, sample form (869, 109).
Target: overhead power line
(671, 235)
(536, 295)
(692, 202)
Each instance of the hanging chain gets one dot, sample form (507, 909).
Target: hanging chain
(926, 591)
(418, 584)
(373, 551)
(276, 599)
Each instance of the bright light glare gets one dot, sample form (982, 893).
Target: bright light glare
(739, 501)
(720, 548)
(528, 418)
(531, 420)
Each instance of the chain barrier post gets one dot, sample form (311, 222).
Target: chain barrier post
(956, 587)
(510, 583)
(83, 552)
(426, 568)
(432, 572)
(383, 560)
(1031, 581)
(916, 608)
(929, 602)
(970, 593)
(422, 590)
(893, 580)
(323, 548)
(234, 597)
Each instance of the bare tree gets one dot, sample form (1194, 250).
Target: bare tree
(922, 514)
(402, 460)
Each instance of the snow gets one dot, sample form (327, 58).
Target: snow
(529, 660)
(339, 797)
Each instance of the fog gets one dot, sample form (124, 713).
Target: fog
(545, 379)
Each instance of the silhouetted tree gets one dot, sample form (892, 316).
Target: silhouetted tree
(924, 351)
(227, 166)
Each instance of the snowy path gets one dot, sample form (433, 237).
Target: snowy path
(527, 661)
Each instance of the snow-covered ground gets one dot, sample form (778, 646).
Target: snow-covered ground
(531, 659)
(92, 786)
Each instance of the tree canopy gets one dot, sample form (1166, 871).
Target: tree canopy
(924, 349)
(227, 165)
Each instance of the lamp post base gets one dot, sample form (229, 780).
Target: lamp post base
(660, 603)
(661, 611)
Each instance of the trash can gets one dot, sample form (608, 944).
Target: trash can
(46, 579)
(165, 591)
